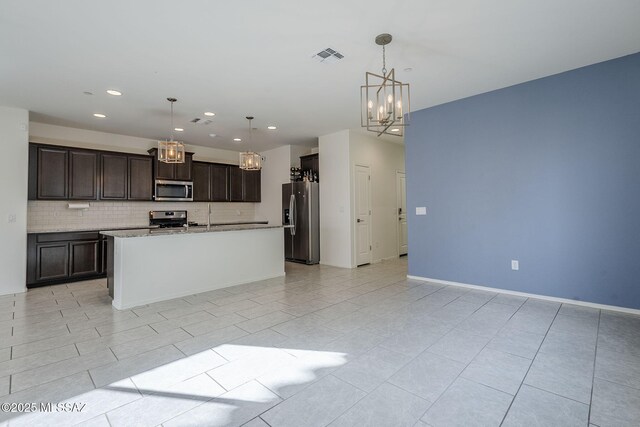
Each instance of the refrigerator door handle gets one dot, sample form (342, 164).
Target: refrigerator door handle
(292, 214)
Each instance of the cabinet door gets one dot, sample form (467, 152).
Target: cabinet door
(104, 251)
(52, 261)
(219, 183)
(84, 258)
(83, 175)
(165, 170)
(251, 186)
(52, 173)
(310, 163)
(140, 178)
(114, 177)
(235, 184)
(201, 182)
(183, 170)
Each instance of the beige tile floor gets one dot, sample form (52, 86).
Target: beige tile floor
(323, 346)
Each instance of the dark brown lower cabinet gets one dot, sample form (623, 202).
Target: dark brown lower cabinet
(52, 261)
(84, 258)
(64, 257)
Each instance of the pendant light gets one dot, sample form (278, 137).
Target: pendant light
(171, 151)
(384, 100)
(249, 160)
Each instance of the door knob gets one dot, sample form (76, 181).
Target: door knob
(359, 220)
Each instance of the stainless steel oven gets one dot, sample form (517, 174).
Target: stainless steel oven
(179, 191)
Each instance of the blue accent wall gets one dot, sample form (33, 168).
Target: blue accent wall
(546, 172)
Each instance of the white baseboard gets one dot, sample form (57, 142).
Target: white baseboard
(528, 295)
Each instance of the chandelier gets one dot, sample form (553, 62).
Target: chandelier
(385, 101)
(171, 151)
(249, 160)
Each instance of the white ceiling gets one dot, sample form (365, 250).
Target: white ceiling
(242, 57)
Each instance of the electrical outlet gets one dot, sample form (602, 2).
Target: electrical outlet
(515, 264)
(12, 218)
(422, 210)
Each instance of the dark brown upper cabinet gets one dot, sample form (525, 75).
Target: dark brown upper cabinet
(127, 177)
(201, 181)
(183, 170)
(171, 171)
(211, 182)
(310, 162)
(219, 183)
(244, 186)
(65, 173)
(114, 176)
(140, 175)
(83, 175)
(235, 184)
(51, 165)
(61, 173)
(251, 187)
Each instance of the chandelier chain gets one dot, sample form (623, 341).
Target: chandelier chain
(172, 120)
(384, 61)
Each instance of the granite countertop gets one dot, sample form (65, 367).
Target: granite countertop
(141, 227)
(145, 232)
(81, 229)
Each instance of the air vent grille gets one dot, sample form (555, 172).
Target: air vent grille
(199, 121)
(328, 55)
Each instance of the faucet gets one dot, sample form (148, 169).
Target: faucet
(209, 216)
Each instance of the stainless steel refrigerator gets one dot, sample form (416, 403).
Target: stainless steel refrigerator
(301, 212)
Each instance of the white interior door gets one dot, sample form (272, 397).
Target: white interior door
(363, 214)
(401, 186)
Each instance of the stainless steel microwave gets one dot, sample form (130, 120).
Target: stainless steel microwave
(178, 191)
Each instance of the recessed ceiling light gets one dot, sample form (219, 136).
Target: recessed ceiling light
(272, 127)
(99, 115)
(209, 113)
(395, 130)
(237, 139)
(212, 135)
(178, 129)
(114, 92)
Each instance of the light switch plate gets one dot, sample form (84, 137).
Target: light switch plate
(422, 210)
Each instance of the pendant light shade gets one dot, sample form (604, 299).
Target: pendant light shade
(171, 151)
(385, 101)
(249, 160)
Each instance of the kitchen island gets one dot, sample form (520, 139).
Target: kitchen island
(151, 265)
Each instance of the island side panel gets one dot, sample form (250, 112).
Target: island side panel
(157, 268)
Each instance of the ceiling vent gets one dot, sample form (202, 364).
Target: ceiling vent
(328, 55)
(199, 121)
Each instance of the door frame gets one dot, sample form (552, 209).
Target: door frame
(398, 172)
(354, 246)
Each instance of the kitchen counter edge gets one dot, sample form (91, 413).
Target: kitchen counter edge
(185, 230)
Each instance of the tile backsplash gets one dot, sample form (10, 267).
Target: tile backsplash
(56, 215)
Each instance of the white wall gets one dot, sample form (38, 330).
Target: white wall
(335, 203)
(275, 172)
(384, 160)
(61, 135)
(14, 138)
(296, 152)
